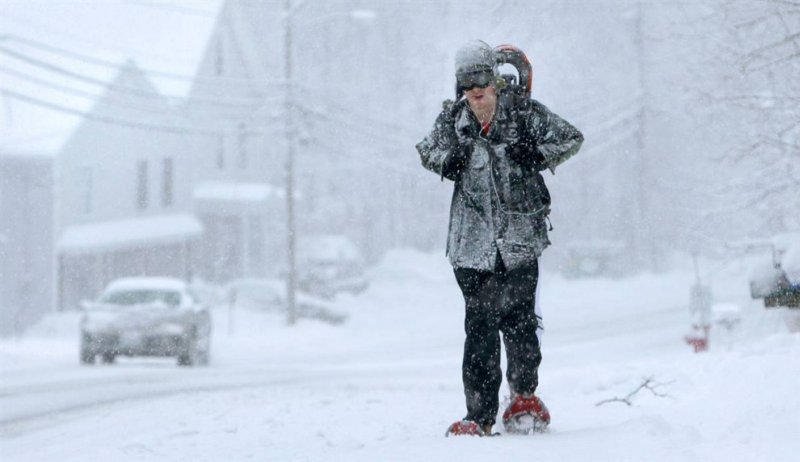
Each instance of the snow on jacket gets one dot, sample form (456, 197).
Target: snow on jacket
(500, 201)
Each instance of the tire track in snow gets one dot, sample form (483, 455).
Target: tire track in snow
(44, 407)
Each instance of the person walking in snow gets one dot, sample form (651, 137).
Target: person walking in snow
(493, 149)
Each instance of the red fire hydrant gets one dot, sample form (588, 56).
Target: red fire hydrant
(698, 339)
(700, 310)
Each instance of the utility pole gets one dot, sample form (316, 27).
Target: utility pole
(642, 227)
(291, 280)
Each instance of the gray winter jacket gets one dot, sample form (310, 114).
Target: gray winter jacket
(500, 201)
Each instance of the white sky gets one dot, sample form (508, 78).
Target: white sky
(164, 35)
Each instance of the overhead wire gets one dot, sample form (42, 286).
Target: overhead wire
(34, 25)
(343, 108)
(83, 94)
(216, 80)
(377, 158)
(358, 128)
(116, 121)
(364, 129)
(185, 130)
(241, 103)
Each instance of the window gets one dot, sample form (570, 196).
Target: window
(241, 142)
(141, 297)
(141, 196)
(257, 238)
(86, 185)
(166, 185)
(219, 63)
(220, 152)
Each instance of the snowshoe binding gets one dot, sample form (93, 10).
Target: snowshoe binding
(469, 428)
(526, 415)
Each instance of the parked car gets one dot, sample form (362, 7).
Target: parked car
(146, 317)
(270, 295)
(329, 265)
(777, 279)
(587, 259)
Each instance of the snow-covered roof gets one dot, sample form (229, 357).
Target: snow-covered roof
(128, 233)
(236, 191)
(146, 283)
(791, 264)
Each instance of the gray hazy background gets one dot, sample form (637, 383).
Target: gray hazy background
(689, 109)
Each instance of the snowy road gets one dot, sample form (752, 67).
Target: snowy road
(386, 384)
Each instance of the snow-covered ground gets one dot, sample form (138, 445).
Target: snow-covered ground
(385, 385)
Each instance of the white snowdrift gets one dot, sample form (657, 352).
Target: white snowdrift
(385, 385)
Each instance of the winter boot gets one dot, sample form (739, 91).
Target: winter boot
(468, 427)
(526, 414)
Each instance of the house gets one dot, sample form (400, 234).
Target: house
(237, 172)
(26, 239)
(244, 230)
(123, 197)
(355, 173)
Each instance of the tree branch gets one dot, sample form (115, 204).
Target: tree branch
(759, 51)
(771, 63)
(648, 383)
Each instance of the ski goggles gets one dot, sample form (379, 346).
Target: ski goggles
(475, 79)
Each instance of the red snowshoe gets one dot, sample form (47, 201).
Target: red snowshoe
(526, 415)
(468, 428)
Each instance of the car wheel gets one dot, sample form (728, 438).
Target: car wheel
(190, 356)
(87, 357)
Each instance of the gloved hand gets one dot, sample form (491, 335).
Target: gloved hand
(525, 152)
(446, 124)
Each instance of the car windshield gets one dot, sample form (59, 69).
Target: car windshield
(141, 297)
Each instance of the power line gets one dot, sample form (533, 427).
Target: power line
(331, 105)
(115, 121)
(110, 97)
(371, 159)
(251, 103)
(184, 130)
(359, 128)
(35, 25)
(151, 72)
(69, 90)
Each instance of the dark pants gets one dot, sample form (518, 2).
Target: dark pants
(499, 301)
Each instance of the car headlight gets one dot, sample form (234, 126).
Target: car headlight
(170, 328)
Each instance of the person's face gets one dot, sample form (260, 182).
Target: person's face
(482, 99)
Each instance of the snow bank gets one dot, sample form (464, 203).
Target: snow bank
(386, 384)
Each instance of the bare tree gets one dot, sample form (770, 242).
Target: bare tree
(759, 49)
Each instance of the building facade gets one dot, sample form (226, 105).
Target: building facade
(26, 240)
(123, 202)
